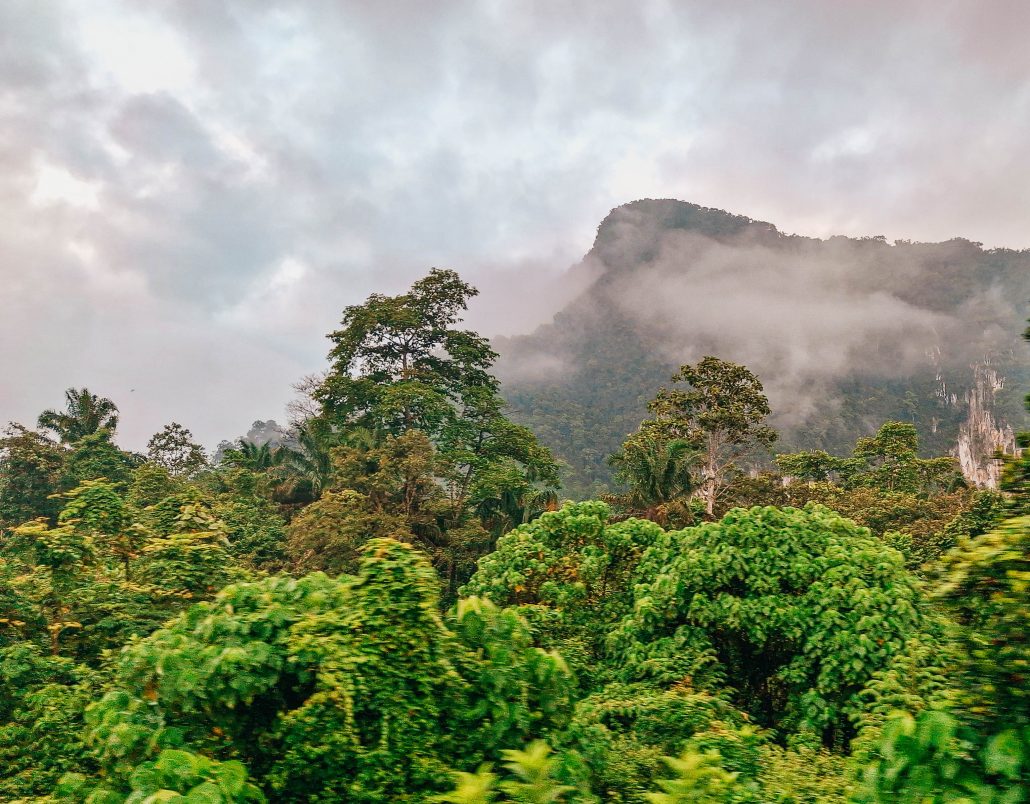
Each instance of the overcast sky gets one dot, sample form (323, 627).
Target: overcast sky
(190, 192)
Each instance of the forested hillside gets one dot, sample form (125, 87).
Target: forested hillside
(391, 602)
(844, 333)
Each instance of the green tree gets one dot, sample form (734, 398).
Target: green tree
(570, 573)
(794, 610)
(330, 533)
(888, 461)
(307, 467)
(399, 363)
(254, 457)
(42, 700)
(659, 472)
(96, 456)
(174, 449)
(815, 466)
(446, 456)
(31, 466)
(720, 412)
(85, 413)
(975, 744)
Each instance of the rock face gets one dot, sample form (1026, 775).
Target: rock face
(981, 436)
(844, 333)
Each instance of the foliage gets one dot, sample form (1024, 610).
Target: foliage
(334, 690)
(720, 413)
(569, 572)
(532, 778)
(403, 371)
(399, 364)
(150, 484)
(96, 456)
(174, 449)
(329, 534)
(623, 732)
(255, 530)
(794, 609)
(887, 462)
(42, 699)
(976, 745)
(98, 577)
(146, 655)
(658, 472)
(175, 775)
(254, 457)
(698, 778)
(85, 414)
(30, 469)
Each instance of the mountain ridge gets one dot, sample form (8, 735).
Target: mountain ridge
(845, 332)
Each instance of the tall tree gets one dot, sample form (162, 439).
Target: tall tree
(174, 449)
(721, 412)
(401, 366)
(85, 413)
(400, 363)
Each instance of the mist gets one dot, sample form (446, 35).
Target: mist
(803, 313)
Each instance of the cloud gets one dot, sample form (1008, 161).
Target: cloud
(163, 165)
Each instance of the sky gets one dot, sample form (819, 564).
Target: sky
(191, 191)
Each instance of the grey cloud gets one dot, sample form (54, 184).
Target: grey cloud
(365, 142)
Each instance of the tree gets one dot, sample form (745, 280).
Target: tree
(974, 744)
(330, 533)
(30, 471)
(570, 572)
(254, 457)
(893, 464)
(657, 470)
(480, 440)
(96, 456)
(399, 363)
(403, 370)
(306, 468)
(85, 413)
(721, 413)
(174, 449)
(888, 461)
(794, 610)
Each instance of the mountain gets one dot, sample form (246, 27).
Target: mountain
(845, 333)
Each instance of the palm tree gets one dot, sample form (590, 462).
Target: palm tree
(510, 494)
(85, 414)
(307, 467)
(254, 457)
(657, 471)
(513, 507)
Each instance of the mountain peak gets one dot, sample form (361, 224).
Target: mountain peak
(630, 233)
